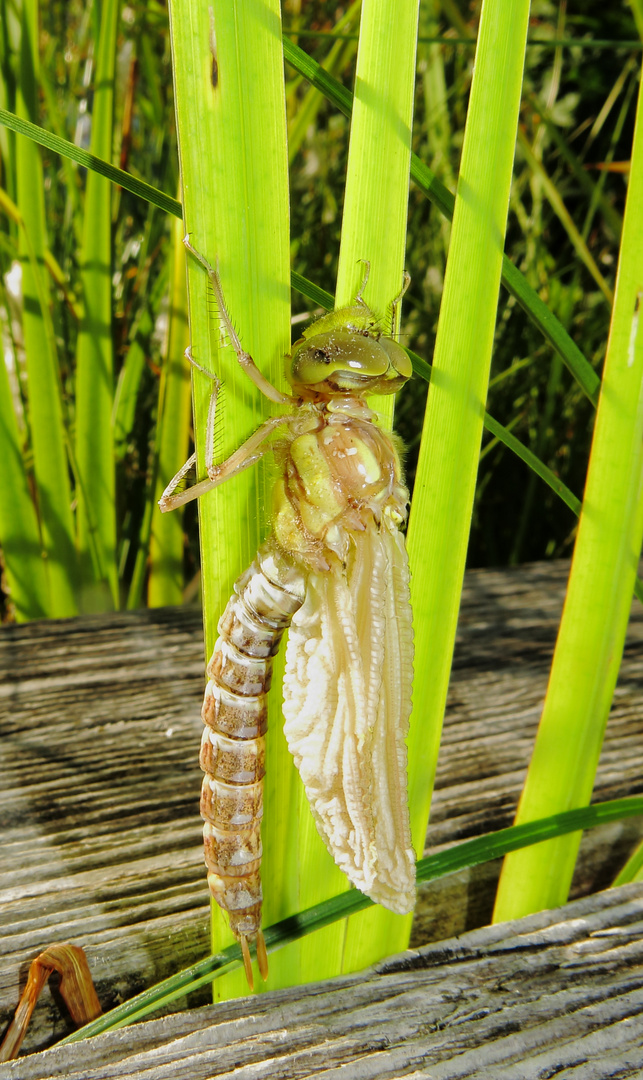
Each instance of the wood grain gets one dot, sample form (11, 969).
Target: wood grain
(555, 994)
(99, 780)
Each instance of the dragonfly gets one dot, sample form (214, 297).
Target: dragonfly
(334, 573)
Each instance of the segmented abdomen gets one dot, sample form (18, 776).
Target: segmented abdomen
(234, 711)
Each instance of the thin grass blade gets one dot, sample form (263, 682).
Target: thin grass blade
(592, 631)
(20, 541)
(128, 385)
(462, 856)
(596, 196)
(339, 57)
(232, 139)
(374, 226)
(91, 161)
(376, 192)
(447, 468)
(46, 416)
(564, 216)
(94, 446)
(633, 869)
(165, 584)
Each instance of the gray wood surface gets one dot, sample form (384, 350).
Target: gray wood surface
(556, 994)
(99, 818)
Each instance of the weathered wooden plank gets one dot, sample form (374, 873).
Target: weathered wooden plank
(99, 788)
(558, 993)
(99, 815)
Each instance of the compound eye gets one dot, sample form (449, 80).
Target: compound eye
(398, 356)
(340, 351)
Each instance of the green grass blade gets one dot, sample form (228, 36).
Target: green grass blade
(629, 73)
(552, 330)
(129, 381)
(637, 11)
(232, 140)
(377, 187)
(538, 467)
(94, 445)
(503, 435)
(447, 467)
(56, 118)
(459, 857)
(312, 292)
(592, 631)
(20, 541)
(47, 425)
(339, 57)
(91, 161)
(564, 216)
(437, 121)
(379, 155)
(534, 463)
(633, 869)
(139, 573)
(317, 76)
(165, 585)
(517, 285)
(594, 195)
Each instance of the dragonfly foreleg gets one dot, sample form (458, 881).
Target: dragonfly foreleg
(406, 281)
(250, 451)
(359, 297)
(244, 358)
(212, 411)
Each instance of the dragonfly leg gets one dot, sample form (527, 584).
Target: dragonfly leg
(212, 410)
(242, 458)
(359, 298)
(244, 358)
(398, 300)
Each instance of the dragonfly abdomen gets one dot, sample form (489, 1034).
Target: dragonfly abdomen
(232, 757)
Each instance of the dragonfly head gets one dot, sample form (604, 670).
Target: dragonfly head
(345, 352)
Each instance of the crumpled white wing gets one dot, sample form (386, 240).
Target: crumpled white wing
(347, 700)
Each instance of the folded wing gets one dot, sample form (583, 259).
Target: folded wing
(347, 701)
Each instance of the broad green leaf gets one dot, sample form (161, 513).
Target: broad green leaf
(232, 144)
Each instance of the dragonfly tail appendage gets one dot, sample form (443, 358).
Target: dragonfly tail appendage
(233, 746)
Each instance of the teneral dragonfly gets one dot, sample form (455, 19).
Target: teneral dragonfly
(334, 570)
